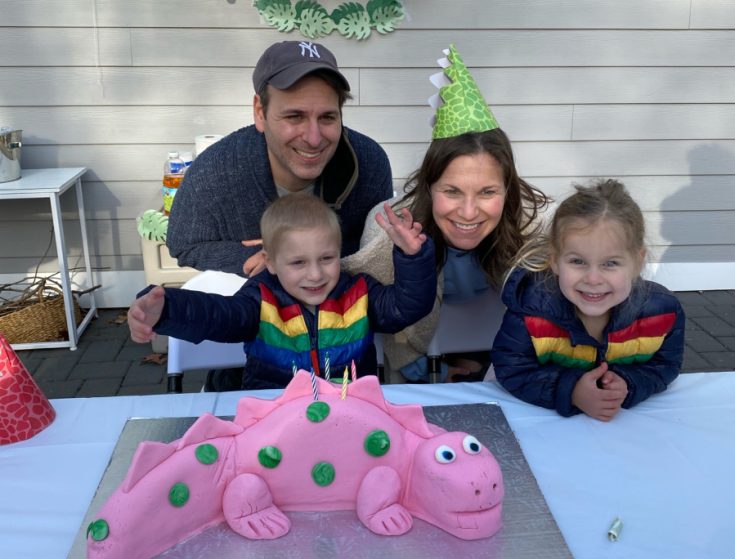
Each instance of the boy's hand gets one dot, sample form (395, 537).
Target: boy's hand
(601, 403)
(144, 313)
(404, 231)
(256, 263)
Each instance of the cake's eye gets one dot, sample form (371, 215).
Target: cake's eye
(445, 454)
(471, 445)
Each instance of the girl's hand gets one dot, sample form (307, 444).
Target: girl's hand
(612, 381)
(403, 230)
(600, 403)
(144, 313)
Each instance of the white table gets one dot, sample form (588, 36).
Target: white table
(51, 184)
(664, 467)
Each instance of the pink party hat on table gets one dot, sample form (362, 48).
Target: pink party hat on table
(24, 409)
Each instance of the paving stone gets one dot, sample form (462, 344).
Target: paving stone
(720, 297)
(691, 298)
(693, 362)
(99, 387)
(728, 342)
(722, 360)
(134, 352)
(103, 350)
(106, 370)
(701, 341)
(715, 326)
(142, 390)
(57, 368)
(144, 374)
(693, 311)
(691, 325)
(61, 389)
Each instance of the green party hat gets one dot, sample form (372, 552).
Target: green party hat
(463, 108)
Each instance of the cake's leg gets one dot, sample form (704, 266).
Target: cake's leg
(377, 503)
(249, 510)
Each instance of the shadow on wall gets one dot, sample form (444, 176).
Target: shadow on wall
(698, 221)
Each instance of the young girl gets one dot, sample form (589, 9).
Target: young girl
(583, 332)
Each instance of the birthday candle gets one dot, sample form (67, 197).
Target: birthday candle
(344, 384)
(326, 367)
(314, 389)
(293, 367)
(354, 371)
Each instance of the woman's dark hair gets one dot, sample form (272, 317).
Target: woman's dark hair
(518, 222)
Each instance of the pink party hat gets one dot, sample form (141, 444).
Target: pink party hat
(24, 409)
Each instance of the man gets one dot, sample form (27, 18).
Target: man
(297, 145)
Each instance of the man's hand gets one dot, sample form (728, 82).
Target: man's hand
(256, 263)
(144, 313)
(601, 403)
(404, 231)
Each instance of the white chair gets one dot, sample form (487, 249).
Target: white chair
(186, 356)
(464, 327)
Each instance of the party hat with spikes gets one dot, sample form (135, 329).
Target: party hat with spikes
(459, 105)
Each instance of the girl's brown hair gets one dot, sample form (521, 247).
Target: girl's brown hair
(604, 199)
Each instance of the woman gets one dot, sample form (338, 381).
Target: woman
(469, 198)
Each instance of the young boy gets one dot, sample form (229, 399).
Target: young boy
(302, 312)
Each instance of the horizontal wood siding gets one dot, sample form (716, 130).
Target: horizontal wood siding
(642, 90)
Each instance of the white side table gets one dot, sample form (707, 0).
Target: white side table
(51, 184)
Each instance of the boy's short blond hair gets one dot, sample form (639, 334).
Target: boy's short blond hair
(294, 212)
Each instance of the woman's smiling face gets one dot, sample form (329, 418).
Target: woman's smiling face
(468, 200)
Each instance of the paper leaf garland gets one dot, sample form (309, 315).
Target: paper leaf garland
(153, 225)
(350, 19)
(464, 109)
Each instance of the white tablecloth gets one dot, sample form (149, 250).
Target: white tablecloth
(664, 467)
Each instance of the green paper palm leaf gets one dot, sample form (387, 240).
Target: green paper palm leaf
(352, 20)
(153, 225)
(384, 14)
(278, 13)
(315, 20)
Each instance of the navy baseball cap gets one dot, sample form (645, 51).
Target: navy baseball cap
(283, 64)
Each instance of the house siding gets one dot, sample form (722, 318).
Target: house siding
(641, 90)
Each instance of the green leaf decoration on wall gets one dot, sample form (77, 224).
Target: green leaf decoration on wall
(277, 13)
(350, 19)
(153, 225)
(314, 18)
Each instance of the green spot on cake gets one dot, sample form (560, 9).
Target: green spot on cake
(323, 473)
(99, 530)
(269, 456)
(317, 411)
(377, 443)
(206, 453)
(178, 495)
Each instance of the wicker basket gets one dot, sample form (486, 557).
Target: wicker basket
(40, 316)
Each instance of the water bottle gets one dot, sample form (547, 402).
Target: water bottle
(173, 174)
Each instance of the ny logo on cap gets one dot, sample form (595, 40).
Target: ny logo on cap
(310, 47)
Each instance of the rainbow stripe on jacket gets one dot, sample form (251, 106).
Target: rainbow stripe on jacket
(343, 331)
(635, 343)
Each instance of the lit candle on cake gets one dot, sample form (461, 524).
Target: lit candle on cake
(314, 389)
(354, 371)
(326, 367)
(344, 384)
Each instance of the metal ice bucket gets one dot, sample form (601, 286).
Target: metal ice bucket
(10, 145)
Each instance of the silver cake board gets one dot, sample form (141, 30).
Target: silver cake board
(529, 530)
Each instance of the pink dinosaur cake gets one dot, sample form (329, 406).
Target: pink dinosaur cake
(297, 453)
